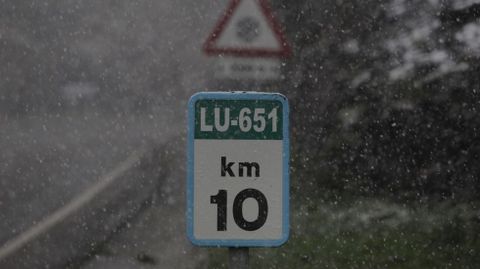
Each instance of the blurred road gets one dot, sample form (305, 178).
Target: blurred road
(156, 237)
(146, 50)
(45, 158)
(48, 162)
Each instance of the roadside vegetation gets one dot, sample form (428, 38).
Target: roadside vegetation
(373, 234)
(385, 131)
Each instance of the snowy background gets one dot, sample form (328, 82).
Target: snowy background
(384, 97)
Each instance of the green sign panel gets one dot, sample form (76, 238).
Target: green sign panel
(239, 119)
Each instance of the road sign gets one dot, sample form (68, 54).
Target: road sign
(248, 29)
(238, 173)
(248, 68)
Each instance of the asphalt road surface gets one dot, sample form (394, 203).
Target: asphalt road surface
(68, 180)
(55, 165)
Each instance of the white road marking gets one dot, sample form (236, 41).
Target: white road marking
(78, 202)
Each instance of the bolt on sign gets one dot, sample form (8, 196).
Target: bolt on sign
(238, 169)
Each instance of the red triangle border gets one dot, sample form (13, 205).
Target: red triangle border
(210, 49)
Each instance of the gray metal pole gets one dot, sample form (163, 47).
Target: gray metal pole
(238, 258)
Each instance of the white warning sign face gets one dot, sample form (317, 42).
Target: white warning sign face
(248, 29)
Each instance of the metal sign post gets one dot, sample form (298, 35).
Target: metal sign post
(238, 258)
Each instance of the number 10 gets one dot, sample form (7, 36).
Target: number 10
(221, 200)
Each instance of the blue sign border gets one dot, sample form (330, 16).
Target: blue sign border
(190, 164)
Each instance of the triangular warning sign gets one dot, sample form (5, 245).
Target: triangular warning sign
(248, 29)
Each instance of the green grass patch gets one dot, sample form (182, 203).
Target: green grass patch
(373, 235)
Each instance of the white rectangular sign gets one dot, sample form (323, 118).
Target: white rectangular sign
(238, 172)
(262, 69)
